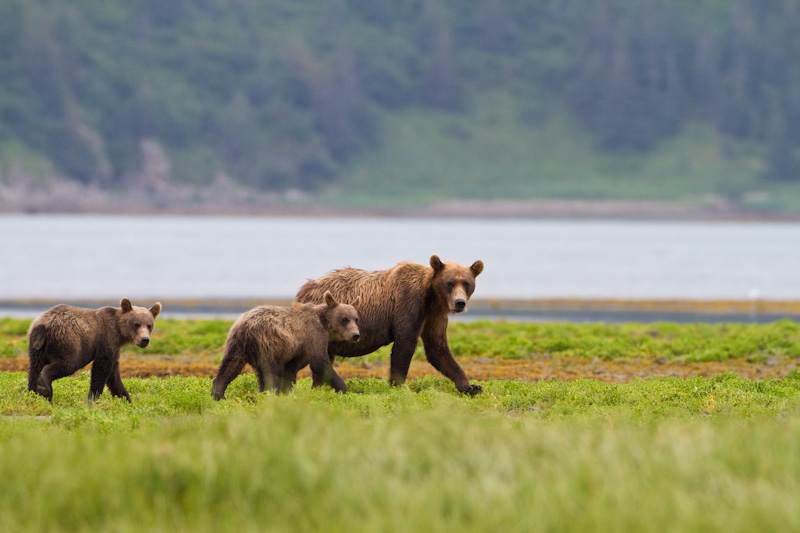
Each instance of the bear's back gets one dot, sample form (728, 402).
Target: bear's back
(280, 328)
(68, 320)
(378, 290)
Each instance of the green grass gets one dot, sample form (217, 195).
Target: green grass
(698, 454)
(204, 339)
(683, 342)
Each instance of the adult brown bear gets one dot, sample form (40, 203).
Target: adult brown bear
(65, 339)
(399, 305)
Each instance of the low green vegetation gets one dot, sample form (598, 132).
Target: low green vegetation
(698, 454)
(204, 340)
(683, 342)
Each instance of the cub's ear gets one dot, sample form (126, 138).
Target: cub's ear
(125, 304)
(436, 263)
(357, 303)
(476, 268)
(329, 299)
(156, 309)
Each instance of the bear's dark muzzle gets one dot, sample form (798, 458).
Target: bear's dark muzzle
(356, 336)
(144, 342)
(460, 305)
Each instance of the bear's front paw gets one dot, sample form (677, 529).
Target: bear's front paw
(472, 390)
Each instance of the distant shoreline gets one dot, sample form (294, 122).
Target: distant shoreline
(224, 198)
(515, 310)
(649, 210)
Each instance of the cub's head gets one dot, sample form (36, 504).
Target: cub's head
(136, 323)
(454, 283)
(342, 319)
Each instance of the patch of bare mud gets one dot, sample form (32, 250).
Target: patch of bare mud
(481, 369)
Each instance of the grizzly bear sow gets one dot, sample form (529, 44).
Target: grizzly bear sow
(400, 304)
(64, 339)
(278, 341)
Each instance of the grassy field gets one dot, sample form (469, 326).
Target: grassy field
(654, 454)
(204, 340)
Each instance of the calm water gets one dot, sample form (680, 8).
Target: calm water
(161, 257)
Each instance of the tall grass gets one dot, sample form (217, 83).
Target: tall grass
(701, 454)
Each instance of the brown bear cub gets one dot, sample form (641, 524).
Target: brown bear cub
(64, 339)
(399, 305)
(278, 341)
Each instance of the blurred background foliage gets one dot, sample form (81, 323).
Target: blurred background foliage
(306, 95)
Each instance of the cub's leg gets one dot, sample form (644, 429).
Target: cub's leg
(322, 373)
(50, 373)
(290, 370)
(270, 375)
(115, 385)
(231, 366)
(101, 373)
(35, 369)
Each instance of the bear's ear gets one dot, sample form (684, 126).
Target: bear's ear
(357, 303)
(436, 263)
(476, 268)
(155, 309)
(330, 300)
(126, 306)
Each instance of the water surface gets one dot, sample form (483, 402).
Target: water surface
(92, 256)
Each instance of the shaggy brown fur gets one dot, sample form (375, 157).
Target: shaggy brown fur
(279, 341)
(399, 305)
(64, 339)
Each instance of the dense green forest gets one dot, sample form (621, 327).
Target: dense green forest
(301, 95)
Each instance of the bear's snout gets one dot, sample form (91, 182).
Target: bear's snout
(356, 336)
(143, 342)
(460, 305)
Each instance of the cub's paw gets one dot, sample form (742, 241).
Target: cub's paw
(44, 389)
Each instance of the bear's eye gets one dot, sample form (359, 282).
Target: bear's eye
(150, 327)
(137, 325)
(450, 285)
(345, 320)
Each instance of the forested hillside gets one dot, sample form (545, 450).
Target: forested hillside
(284, 95)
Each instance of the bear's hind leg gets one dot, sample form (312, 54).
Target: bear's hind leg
(50, 373)
(290, 370)
(231, 366)
(34, 370)
(270, 376)
(37, 355)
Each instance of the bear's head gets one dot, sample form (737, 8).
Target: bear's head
(454, 283)
(342, 319)
(136, 323)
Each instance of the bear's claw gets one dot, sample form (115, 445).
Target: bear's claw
(43, 389)
(473, 390)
